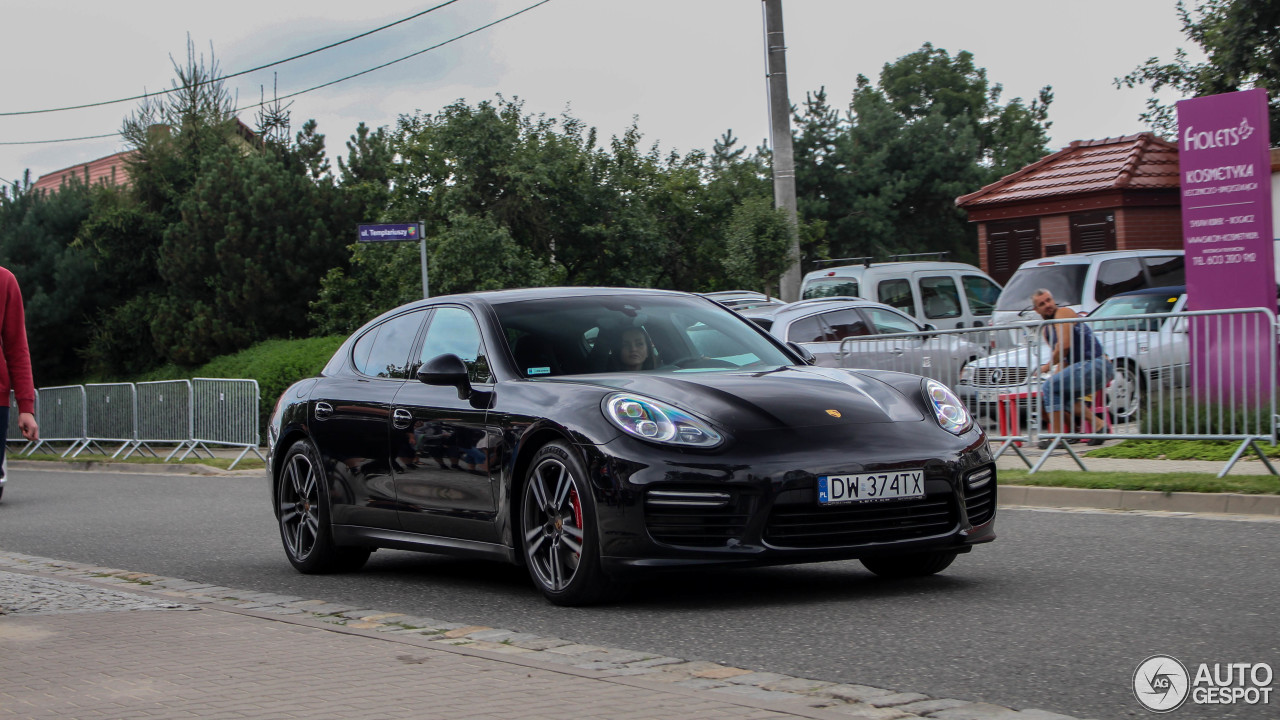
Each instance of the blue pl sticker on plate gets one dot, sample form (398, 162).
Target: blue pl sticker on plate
(538, 371)
(822, 489)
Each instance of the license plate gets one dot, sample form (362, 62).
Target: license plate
(866, 487)
(988, 396)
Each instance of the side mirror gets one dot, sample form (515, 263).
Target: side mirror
(803, 352)
(933, 328)
(446, 370)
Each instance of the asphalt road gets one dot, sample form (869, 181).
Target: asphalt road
(1056, 614)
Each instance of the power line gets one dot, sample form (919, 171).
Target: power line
(317, 87)
(232, 75)
(43, 142)
(393, 62)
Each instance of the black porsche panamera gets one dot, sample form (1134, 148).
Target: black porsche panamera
(592, 433)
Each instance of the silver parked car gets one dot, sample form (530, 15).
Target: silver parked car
(857, 333)
(1148, 353)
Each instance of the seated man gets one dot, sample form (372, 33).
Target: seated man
(1085, 369)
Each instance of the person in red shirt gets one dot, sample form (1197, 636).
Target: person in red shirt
(15, 365)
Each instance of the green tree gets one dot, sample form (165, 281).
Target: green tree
(758, 244)
(243, 263)
(883, 179)
(59, 285)
(1241, 43)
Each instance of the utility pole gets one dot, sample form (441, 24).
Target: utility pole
(784, 165)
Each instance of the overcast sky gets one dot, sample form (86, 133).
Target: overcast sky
(687, 69)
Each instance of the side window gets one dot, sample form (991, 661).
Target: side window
(940, 296)
(897, 293)
(981, 293)
(1166, 270)
(1117, 276)
(454, 330)
(885, 322)
(807, 330)
(845, 323)
(384, 350)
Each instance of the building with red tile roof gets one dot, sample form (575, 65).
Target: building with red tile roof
(110, 170)
(1112, 194)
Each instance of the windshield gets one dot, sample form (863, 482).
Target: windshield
(1066, 282)
(1133, 305)
(636, 333)
(830, 287)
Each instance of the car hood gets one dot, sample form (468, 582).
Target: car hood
(787, 397)
(1017, 357)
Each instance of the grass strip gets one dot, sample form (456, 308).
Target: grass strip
(1158, 482)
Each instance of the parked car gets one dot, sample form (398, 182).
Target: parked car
(1084, 280)
(490, 426)
(1148, 351)
(825, 327)
(944, 294)
(742, 299)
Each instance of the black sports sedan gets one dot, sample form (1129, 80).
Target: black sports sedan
(593, 433)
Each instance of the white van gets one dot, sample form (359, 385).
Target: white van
(944, 294)
(1082, 281)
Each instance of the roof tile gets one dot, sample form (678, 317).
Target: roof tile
(1141, 161)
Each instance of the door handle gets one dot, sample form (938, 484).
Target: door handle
(323, 410)
(401, 418)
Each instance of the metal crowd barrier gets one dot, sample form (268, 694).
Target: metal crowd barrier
(1161, 387)
(164, 416)
(111, 413)
(61, 417)
(190, 414)
(226, 414)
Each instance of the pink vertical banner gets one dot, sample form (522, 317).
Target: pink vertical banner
(1225, 173)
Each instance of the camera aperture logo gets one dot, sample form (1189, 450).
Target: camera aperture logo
(1162, 684)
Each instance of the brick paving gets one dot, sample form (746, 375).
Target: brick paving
(79, 641)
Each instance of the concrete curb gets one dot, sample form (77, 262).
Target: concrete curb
(1187, 502)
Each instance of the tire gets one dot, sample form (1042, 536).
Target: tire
(558, 531)
(302, 511)
(914, 565)
(1124, 394)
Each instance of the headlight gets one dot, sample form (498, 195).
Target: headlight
(951, 413)
(649, 419)
(966, 373)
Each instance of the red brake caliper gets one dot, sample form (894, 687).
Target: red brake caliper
(576, 503)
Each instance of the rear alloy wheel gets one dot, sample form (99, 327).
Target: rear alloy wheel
(913, 565)
(303, 510)
(1124, 394)
(558, 529)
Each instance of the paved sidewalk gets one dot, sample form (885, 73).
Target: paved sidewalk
(78, 641)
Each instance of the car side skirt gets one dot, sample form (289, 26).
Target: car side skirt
(398, 540)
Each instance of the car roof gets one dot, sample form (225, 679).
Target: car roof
(1089, 257)
(804, 308)
(889, 267)
(1166, 290)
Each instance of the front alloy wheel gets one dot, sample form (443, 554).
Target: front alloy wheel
(557, 526)
(303, 510)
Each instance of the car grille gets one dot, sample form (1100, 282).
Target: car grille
(809, 526)
(980, 501)
(695, 518)
(999, 377)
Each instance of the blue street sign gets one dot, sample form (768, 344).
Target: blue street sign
(407, 232)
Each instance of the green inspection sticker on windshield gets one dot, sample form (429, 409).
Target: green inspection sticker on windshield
(538, 371)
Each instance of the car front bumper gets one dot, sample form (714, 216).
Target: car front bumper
(756, 503)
